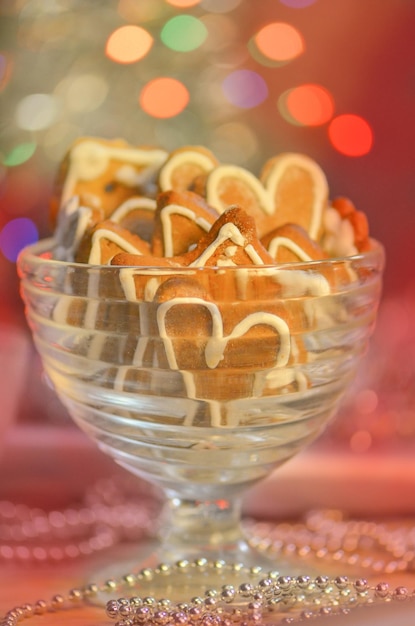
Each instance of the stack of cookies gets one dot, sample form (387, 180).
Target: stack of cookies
(160, 217)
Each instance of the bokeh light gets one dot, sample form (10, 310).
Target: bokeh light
(19, 154)
(5, 69)
(220, 6)
(128, 44)
(235, 142)
(245, 88)
(83, 92)
(297, 4)
(307, 105)
(183, 4)
(183, 33)
(37, 111)
(164, 97)
(351, 135)
(222, 33)
(138, 12)
(15, 235)
(279, 42)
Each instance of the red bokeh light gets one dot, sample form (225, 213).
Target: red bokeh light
(351, 135)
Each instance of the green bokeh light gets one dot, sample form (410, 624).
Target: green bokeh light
(183, 33)
(19, 154)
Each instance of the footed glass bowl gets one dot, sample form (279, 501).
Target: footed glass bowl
(201, 380)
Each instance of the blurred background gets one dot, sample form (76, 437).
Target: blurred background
(335, 80)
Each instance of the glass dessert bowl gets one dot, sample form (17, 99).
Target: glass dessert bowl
(201, 380)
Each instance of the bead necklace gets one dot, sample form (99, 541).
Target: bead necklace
(282, 599)
(326, 536)
(110, 513)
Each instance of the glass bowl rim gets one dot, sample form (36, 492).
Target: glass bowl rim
(32, 253)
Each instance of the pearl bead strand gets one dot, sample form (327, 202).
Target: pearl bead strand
(253, 597)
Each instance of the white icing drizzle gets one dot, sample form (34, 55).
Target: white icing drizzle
(319, 180)
(165, 217)
(119, 379)
(99, 235)
(151, 288)
(276, 378)
(253, 255)
(127, 284)
(231, 232)
(286, 242)
(221, 172)
(89, 159)
(298, 283)
(216, 344)
(182, 158)
(130, 205)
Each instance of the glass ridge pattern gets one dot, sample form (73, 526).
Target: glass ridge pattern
(187, 401)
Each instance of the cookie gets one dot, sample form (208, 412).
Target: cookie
(231, 241)
(109, 171)
(183, 166)
(180, 220)
(228, 185)
(136, 215)
(292, 189)
(299, 189)
(107, 239)
(291, 244)
(220, 349)
(346, 230)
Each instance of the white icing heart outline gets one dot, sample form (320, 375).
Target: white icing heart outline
(265, 190)
(212, 355)
(165, 217)
(174, 162)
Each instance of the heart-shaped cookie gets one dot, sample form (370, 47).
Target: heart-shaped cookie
(183, 166)
(180, 221)
(292, 189)
(225, 351)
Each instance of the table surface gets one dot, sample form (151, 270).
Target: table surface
(47, 469)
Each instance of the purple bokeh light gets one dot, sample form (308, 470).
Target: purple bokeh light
(245, 89)
(15, 235)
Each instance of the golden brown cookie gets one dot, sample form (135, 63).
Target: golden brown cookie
(109, 171)
(292, 189)
(225, 351)
(107, 239)
(299, 189)
(180, 221)
(291, 244)
(231, 241)
(137, 215)
(183, 166)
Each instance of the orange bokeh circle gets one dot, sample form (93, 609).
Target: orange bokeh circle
(164, 97)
